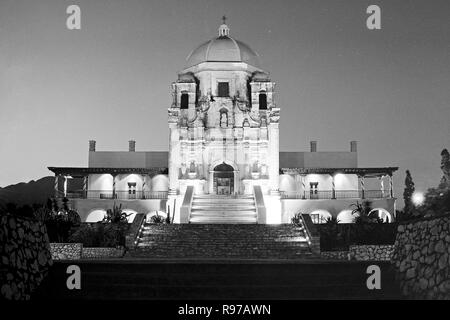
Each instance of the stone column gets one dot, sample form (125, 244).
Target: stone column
(333, 187)
(363, 189)
(85, 186)
(303, 177)
(391, 186)
(174, 154)
(381, 186)
(274, 158)
(114, 186)
(56, 187)
(144, 177)
(65, 186)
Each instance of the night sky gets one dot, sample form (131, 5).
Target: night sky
(336, 80)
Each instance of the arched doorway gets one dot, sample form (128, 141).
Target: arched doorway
(346, 216)
(320, 216)
(96, 215)
(381, 213)
(223, 179)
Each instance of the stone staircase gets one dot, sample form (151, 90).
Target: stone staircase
(209, 209)
(221, 241)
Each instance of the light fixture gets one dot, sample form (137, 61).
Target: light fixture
(418, 198)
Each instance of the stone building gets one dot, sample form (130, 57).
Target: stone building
(223, 163)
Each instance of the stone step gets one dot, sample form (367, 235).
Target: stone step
(223, 203)
(209, 209)
(195, 220)
(221, 207)
(224, 213)
(217, 196)
(220, 238)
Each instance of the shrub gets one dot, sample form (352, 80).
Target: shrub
(59, 224)
(335, 236)
(297, 219)
(157, 219)
(116, 215)
(100, 234)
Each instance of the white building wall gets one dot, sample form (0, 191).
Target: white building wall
(100, 182)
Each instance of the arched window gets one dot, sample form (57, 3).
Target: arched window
(262, 101)
(184, 101)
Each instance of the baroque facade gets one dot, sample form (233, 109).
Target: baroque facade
(223, 122)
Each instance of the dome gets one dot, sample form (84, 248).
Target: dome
(223, 49)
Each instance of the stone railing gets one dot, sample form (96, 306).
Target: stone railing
(260, 206)
(117, 194)
(422, 258)
(25, 256)
(336, 194)
(185, 210)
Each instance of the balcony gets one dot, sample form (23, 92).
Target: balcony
(118, 194)
(337, 194)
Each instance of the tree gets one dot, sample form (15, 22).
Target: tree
(437, 200)
(407, 194)
(445, 167)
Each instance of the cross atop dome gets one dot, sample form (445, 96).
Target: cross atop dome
(224, 31)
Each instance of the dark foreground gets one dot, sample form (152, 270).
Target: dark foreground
(218, 280)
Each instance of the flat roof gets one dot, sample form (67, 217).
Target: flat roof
(83, 171)
(367, 172)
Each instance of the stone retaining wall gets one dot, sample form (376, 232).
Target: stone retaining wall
(66, 251)
(25, 256)
(361, 253)
(99, 253)
(422, 258)
(371, 252)
(76, 251)
(334, 255)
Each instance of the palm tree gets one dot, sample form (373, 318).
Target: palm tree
(362, 212)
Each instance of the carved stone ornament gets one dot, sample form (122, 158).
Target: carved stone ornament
(173, 115)
(274, 115)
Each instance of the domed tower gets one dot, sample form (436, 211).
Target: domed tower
(223, 121)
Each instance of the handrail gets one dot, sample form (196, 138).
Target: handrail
(311, 232)
(132, 237)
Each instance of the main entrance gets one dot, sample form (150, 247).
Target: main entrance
(223, 179)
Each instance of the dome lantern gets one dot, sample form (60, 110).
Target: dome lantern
(224, 31)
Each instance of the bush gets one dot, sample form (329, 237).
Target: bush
(59, 224)
(335, 236)
(157, 219)
(116, 215)
(297, 219)
(100, 234)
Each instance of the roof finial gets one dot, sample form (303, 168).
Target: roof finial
(224, 31)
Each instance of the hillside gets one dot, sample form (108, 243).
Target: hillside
(28, 193)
